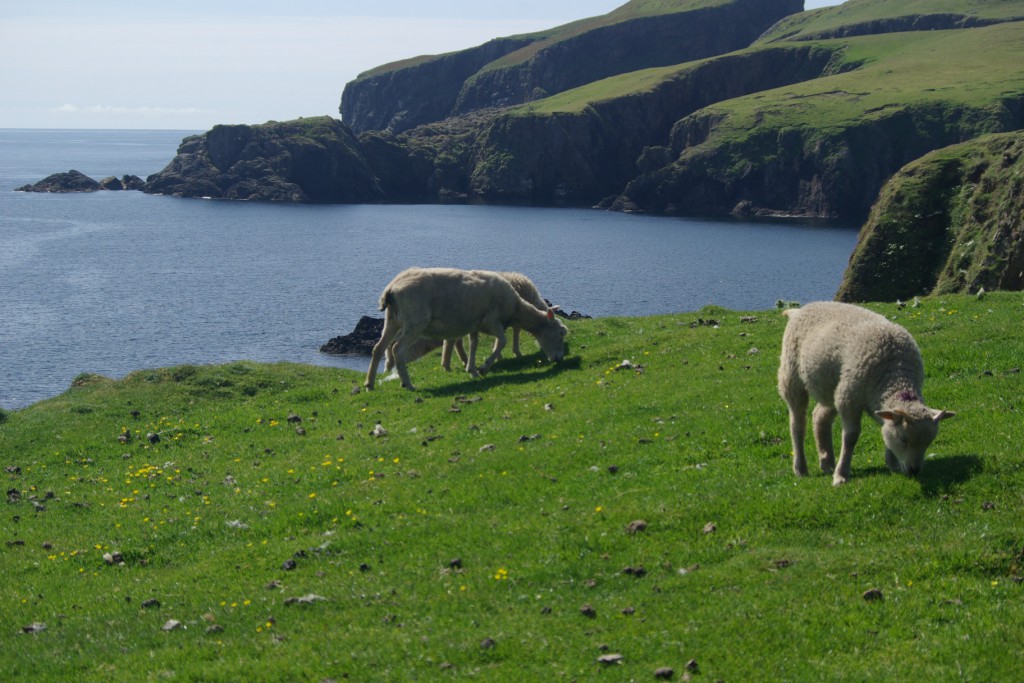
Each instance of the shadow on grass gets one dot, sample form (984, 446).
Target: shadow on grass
(938, 476)
(941, 475)
(507, 372)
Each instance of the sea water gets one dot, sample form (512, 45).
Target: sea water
(111, 282)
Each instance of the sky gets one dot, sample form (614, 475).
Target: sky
(191, 64)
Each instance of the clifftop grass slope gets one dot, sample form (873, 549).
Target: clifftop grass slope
(253, 522)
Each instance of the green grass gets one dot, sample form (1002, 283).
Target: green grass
(635, 9)
(529, 478)
(971, 67)
(854, 12)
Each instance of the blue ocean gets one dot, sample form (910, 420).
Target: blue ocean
(112, 282)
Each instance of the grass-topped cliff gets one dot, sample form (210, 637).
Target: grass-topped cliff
(951, 221)
(507, 71)
(251, 522)
(677, 106)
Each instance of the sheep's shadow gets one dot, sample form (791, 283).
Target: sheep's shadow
(504, 372)
(938, 476)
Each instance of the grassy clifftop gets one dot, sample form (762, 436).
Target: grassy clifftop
(516, 69)
(858, 17)
(518, 527)
(951, 221)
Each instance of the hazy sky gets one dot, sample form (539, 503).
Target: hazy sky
(190, 64)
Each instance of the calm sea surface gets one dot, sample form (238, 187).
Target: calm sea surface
(112, 282)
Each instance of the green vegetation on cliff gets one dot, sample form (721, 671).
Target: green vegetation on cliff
(518, 527)
(951, 221)
(861, 17)
(648, 108)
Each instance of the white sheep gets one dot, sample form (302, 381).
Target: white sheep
(524, 288)
(851, 360)
(446, 303)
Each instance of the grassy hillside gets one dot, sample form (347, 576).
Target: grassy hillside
(635, 9)
(950, 221)
(977, 68)
(518, 527)
(873, 15)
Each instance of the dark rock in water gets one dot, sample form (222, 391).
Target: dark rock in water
(358, 341)
(75, 181)
(72, 181)
(132, 182)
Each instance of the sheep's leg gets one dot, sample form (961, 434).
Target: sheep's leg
(498, 330)
(460, 349)
(446, 355)
(851, 432)
(797, 399)
(389, 359)
(515, 342)
(401, 351)
(474, 339)
(387, 335)
(823, 419)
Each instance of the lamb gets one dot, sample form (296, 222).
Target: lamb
(446, 303)
(851, 360)
(524, 288)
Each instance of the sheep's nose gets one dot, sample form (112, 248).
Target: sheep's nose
(912, 470)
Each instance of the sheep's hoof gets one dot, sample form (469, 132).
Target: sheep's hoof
(369, 387)
(838, 480)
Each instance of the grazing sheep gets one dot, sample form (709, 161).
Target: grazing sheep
(446, 303)
(524, 288)
(851, 360)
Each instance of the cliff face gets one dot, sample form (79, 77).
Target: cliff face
(952, 221)
(791, 125)
(511, 71)
(804, 171)
(307, 160)
(601, 147)
(396, 99)
(623, 47)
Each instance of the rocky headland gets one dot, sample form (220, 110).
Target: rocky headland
(689, 107)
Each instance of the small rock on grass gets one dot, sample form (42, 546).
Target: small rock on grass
(636, 526)
(34, 627)
(171, 625)
(664, 673)
(307, 599)
(873, 595)
(610, 659)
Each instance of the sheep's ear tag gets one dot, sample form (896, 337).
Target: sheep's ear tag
(551, 314)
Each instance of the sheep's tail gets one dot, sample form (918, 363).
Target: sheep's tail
(386, 299)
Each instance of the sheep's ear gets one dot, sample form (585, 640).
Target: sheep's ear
(551, 314)
(940, 415)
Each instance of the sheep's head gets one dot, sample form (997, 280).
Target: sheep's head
(907, 433)
(551, 337)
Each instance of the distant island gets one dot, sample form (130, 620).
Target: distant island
(743, 107)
